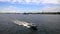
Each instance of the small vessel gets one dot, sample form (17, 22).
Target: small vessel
(34, 27)
(26, 24)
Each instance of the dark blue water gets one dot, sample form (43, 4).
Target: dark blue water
(47, 24)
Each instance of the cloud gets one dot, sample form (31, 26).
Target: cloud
(46, 8)
(51, 9)
(51, 1)
(10, 9)
(32, 1)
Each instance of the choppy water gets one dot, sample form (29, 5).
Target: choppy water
(47, 24)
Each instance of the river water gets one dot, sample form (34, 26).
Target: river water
(46, 24)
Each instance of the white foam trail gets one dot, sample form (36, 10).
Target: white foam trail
(21, 23)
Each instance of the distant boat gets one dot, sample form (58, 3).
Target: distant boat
(28, 25)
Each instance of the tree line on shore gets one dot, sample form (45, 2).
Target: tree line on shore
(43, 13)
(34, 13)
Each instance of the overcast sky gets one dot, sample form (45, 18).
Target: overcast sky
(29, 6)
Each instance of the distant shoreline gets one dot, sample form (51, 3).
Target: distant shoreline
(27, 14)
(34, 13)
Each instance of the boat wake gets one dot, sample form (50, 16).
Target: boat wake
(21, 23)
(26, 24)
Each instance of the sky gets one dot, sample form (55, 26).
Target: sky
(20, 6)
